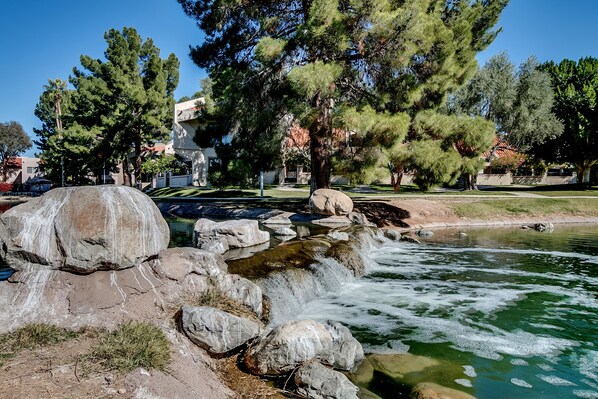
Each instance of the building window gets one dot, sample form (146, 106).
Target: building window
(31, 169)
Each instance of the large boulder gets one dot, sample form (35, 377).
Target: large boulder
(330, 202)
(315, 381)
(83, 229)
(217, 331)
(219, 237)
(295, 342)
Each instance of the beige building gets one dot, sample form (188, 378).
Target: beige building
(184, 127)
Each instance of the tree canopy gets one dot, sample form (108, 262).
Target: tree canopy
(519, 102)
(576, 104)
(116, 105)
(13, 141)
(366, 67)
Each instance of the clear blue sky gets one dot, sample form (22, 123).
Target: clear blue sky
(43, 39)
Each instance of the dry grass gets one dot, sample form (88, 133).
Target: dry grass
(33, 336)
(132, 345)
(214, 298)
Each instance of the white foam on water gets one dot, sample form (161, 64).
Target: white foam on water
(519, 362)
(521, 383)
(545, 367)
(469, 371)
(590, 384)
(585, 394)
(465, 382)
(556, 381)
(587, 364)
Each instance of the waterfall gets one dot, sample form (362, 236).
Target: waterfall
(289, 290)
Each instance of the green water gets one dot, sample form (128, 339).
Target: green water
(509, 313)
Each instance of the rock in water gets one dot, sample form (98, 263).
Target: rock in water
(217, 331)
(315, 381)
(289, 345)
(220, 237)
(83, 229)
(330, 202)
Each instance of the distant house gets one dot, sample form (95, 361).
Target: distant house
(23, 174)
(185, 124)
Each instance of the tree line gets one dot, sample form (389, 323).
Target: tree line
(399, 78)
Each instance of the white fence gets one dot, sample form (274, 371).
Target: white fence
(172, 181)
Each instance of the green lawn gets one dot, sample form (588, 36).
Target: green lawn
(498, 208)
(363, 192)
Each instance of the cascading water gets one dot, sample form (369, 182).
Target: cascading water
(515, 310)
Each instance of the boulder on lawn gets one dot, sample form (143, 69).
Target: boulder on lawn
(330, 202)
(219, 237)
(83, 229)
(217, 331)
(315, 381)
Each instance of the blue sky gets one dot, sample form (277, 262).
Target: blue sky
(43, 39)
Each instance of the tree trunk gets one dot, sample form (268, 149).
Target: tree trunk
(583, 171)
(320, 139)
(466, 181)
(137, 166)
(396, 176)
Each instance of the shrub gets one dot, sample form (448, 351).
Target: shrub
(133, 345)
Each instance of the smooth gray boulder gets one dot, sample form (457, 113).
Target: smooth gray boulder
(178, 263)
(278, 220)
(315, 381)
(244, 291)
(219, 237)
(217, 331)
(325, 201)
(295, 342)
(83, 229)
(346, 350)
(285, 232)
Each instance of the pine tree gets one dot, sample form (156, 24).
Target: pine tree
(325, 64)
(116, 105)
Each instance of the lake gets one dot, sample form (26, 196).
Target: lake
(515, 310)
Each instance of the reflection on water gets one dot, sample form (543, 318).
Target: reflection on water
(515, 310)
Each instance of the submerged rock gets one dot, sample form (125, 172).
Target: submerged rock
(315, 381)
(217, 331)
(219, 237)
(83, 229)
(544, 227)
(424, 233)
(330, 202)
(429, 390)
(413, 371)
(289, 345)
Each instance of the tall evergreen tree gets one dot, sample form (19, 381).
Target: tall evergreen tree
(129, 97)
(13, 141)
(357, 65)
(117, 105)
(576, 104)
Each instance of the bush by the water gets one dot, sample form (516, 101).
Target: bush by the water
(133, 345)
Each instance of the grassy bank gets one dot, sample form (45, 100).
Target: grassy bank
(493, 209)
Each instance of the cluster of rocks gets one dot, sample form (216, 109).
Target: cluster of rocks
(98, 256)
(305, 350)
